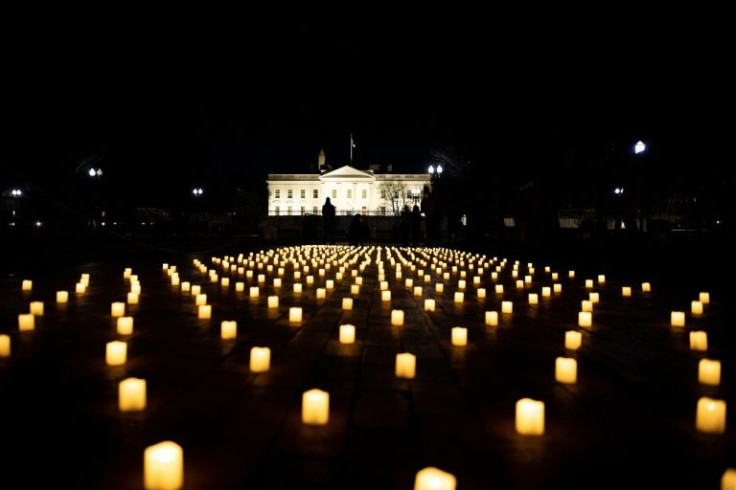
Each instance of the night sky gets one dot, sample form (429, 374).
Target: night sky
(162, 109)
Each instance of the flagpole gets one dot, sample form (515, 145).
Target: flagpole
(351, 148)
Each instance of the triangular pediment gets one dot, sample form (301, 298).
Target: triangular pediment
(347, 172)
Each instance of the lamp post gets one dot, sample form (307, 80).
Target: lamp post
(96, 175)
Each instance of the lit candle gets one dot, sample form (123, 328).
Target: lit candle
(499, 288)
(533, 298)
(585, 319)
(711, 416)
(315, 407)
(125, 325)
(491, 318)
(519, 284)
(589, 283)
(386, 296)
(297, 288)
(132, 395)
(418, 291)
(225, 282)
(527, 280)
(699, 340)
(557, 287)
(696, 307)
(204, 312)
(273, 301)
(330, 284)
(546, 292)
(276, 282)
(709, 372)
(439, 288)
(240, 286)
(4, 345)
(431, 478)
(555, 276)
(677, 318)
(383, 285)
(228, 329)
(728, 481)
(704, 298)
(196, 290)
(354, 289)
(127, 272)
(646, 287)
(310, 280)
(260, 359)
(594, 297)
(530, 417)
(295, 314)
(461, 284)
(601, 279)
(347, 334)
(459, 336)
(347, 304)
(136, 288)
(27, 285)
(80, 288)
(117, 309)
(132, 298)
(494, 275)
(321, 293)
(626, 291)
(573, 340)
(429, 304)
(201, 299)
(397, 317)
(409, 283)
(26, 322)
(116, 353)
(459, 297)
(507, 307)
(586, 305)
(163, 466)
(566, 370)
(571, 274)
(37, 308)
(406, 365)
(261, 278)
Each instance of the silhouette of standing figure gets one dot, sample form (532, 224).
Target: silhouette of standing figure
(328, 217)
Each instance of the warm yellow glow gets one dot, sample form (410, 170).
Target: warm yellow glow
(429, 304)
(228, 329)
(491, 318)
(62, 296)
(601, 279)
(704, 298)
(4, 345)
(196, 290)
(163, 466)
(573, 340)
(439, 288)
(297, 288)
(354, 289)
(626, 291)
(533, 298)
(80, 288)
(397, 317)
(260, 359)
(432, 478)
(418, 291)
(204, 312)
(347, 334)
(546, 292)
(585, 319)
(330, 284)
(728, 480)
(646, 287)
(409, 283)
(315, 407)
(530, 417)
(27, 285)
(239, 286)
(566, 370)
(276, 282)
(117, 309)
(125, 325)
(699, 341)
(273, 302)
(321, 293)
(116, 353)
(459, 336)
(26, 322)
(347, 304)
(200, 299)
(557, 288)
(499, 288)
(696, 307)
(594, 297)
(127, 272)
(586, 305)
(709, 372)
(132, 298)
(386, 296)
(459, 297)
(555, 276)
(37, 308)
(677, 318)
(507, 307)
(406, 364)
(132, 395)
(295, 314)
(571, 274)
(711, 416)
(519, 284)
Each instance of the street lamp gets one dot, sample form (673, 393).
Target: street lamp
(435, 171)
(95, 172)
(639, 147)
(618, 191)
(16, 192)
(197, 191)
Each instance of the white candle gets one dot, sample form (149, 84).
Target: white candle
(397, 317)
(589, 283)
(125, 325)
(555, 276)
(709, 372)
(546, 292)
(557, 287)
(494, 275)
(295, 314)
(566, 370)
(527, 280)
(406, 364)
(62, 296)
(261, 278)
(117, 309)
(571, 274)
(297, 288)
(163, 466)
(240, 286)
(677, 318)
(601, 279)
(273, 302)
(696, 307)
(586, 305)
(37, 308)
(80, 288)
(386, 296)
(27, 285)
(330, 284)
(276, 282)
(507, 307)
(315, 407)
(4, 345)
(310, 280)
(321, 293)
(461, 284)
(429, 304)
(594, 297)
(432, 478)
(136, 288)
(260, 359)
(711, 416)
(26, 322)
(439, 288)
(459, 336)
(200, 299)
(418, 291)
(132, 395)
(626, 291)
(347, 334)
(116, 353)
(204, 312)
(196, 290)
(491, 318)
(519, 284)
(383, 285)
(127, 272)
(354, 289)
(530, 417)
(499, 288)
(533, 298)
(573, 340)
(699, 341)
(347, 304)
(228, 329)
(704, 298)
(459, 297)
(409, 283)
(585, 319)
(646, 287)
(225, 282)
(728, 481)
(132, 298)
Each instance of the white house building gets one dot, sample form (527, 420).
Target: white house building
(350, 190)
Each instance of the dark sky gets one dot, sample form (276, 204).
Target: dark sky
(169, 108)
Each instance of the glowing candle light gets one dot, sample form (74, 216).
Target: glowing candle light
(586, 305)
(80, 288)
(297, 288)
(321, 293)
(84, 279)
(594, 297)
(240, 286)
(585, 318)
(459, 336)
(571, 274)
(116, 353)
(37, 308)
(347, 334)
(225, 282)
(557, 288)
(354, 289)
(260, 359)
(573, 340)
(646, 287)
(431, 478)
(383, 285)
(601, 279)
(117, 309)
(4, 345)
(26, 322)
(163, 466)
(347, 304)
(132, 298)
(315, 407)
(62, 296)
(397, 317)
(418, 291)
(533, 298)
(125, 325)
(409, 283)
(494, 275)
(461, 284)
(491, 318)
(546, 292)
(27, 285)
(704, 298)
(677, 318)
(555, 276)
(515, 273)
(249, 274)
(527, 280)
(295, 314)
(519, 284)
(446, 276)
(709, 372)
(530, 417)
(566, 370)
(699, 341)
(386, 296)
(728, 481)
(696, 307)
(481, 292)
(499, 288)
(589, 284)
(261, 278)
(406, 364)
(310, 280)
(132, 395)
(228, 329)
(476, 281)
(439, 288)
(136, 288)
(276, 282)
(711, 416)
(330, 284)
(338, 276)
(626, 291)
(429, 304)
(204, 312)
(196, 290)
(507, 307)
(127, 272)
(459, 297)
(200, 299)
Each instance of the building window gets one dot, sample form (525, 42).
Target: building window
(277, 193)
(364, 211)
(288, 210)
(408, 194)
(289, 194)
(315, 194)
(383, 193)
(350, 193)
(303, 194)
(334, 193)
(383, 210)
(314, 210)
(364, 193)
(304, 210)
(277, 211)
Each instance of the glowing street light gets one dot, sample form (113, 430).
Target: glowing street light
(435, 171)
(16, 192)
(639, 147)
(197, 191)
(618, 191)
(431, 169)
(95, 172)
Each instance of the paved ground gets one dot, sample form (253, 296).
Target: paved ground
(629, 422)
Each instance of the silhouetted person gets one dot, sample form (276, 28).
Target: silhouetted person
(432, 217)
(405, 225)
(328, 217)
(356, 230)
(416, 225)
